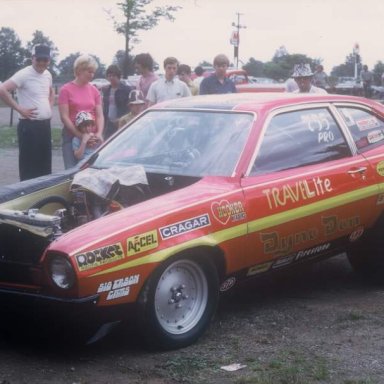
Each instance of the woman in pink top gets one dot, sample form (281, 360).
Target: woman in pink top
(79, 95)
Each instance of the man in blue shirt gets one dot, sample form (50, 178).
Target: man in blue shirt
(218, 82)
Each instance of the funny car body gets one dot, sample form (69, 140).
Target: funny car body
(187, 200)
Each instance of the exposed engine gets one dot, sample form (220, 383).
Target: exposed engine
(94, 193)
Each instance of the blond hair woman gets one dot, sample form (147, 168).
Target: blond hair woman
(79, 95)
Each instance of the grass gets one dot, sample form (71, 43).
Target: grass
(8, 137)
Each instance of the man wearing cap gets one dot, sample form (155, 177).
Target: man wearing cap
(35, 100)
(303, 75)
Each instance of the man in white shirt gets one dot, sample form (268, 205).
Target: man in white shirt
(303, 75)
(35, 100)
(169, 87)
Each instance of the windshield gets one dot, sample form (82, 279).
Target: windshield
(191, 143)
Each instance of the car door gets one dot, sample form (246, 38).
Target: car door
(366, 127)
(307, 192)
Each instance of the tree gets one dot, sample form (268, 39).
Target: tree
(12, 53)
(254, 67)
(347, 69)
(39, 38)
(65, 67)
(120, 59)
(281, 67)
(136, 19)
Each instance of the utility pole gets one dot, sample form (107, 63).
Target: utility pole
(235, 39)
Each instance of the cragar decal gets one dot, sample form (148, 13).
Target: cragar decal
(184, 226)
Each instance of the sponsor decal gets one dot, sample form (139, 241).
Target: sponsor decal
(312, 251)
(141, 243)
(368, 123)
(299, 191)
(119, 287)
(282, 262)
(380, 168)
(228, 284)
(380, 199)
(333, 224)
(185, 226)
(100, 256)
(356, 234)
(276, 244)
(256, 269)
(375, 136)
(225, 211)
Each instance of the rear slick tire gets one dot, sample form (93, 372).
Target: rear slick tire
(178, 302)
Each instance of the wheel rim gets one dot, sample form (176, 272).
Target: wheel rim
(181, 297)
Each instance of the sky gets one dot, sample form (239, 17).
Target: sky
(323, 29)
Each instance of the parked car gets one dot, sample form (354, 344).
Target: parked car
(190, 198)
(245, 84)
(348, 86)
(100, 83)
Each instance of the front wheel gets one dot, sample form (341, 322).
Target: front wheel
(178, 302)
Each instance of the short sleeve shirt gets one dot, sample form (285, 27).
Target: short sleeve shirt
(211, 86)
(33, 90)
(79, 98)
(163, 89)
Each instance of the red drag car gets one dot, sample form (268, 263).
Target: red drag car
(188, 199)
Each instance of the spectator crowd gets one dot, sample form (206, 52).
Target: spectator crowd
(90, 116)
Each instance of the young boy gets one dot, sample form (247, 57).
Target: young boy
(86, 145)
(136, 106)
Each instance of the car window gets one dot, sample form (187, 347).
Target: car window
(366, 128)
(299, 138)
(238, 79)
(191, 143)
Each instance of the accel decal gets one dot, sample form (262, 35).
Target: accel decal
(225, 211)
(300, 190)
(100, 256)
(141, 243)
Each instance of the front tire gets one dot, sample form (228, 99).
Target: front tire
(178, 302)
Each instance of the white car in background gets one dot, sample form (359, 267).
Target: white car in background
(100, 83)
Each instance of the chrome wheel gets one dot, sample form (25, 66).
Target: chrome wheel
(181, 296)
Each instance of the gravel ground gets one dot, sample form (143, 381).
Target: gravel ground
(10, 165)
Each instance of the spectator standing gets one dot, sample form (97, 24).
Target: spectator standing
(136, 106)
(35, 95)
(218, 81)
(303, 75)
(115, 100)
(87, 143)
(169, 87)
(291, 85)
(199, 72)
(184, 72)
(79, 95)
(143, 63)
(366, 77)
(320, 78)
